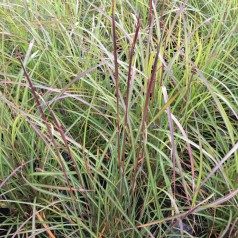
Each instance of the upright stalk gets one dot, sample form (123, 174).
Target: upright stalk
(117, 83)
(128, 90)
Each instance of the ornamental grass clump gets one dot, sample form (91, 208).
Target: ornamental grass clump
(118, 119)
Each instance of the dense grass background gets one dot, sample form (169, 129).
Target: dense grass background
(118, 121)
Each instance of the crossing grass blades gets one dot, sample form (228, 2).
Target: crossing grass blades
(118, 119)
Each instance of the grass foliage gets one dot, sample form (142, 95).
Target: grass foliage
(118, 119)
